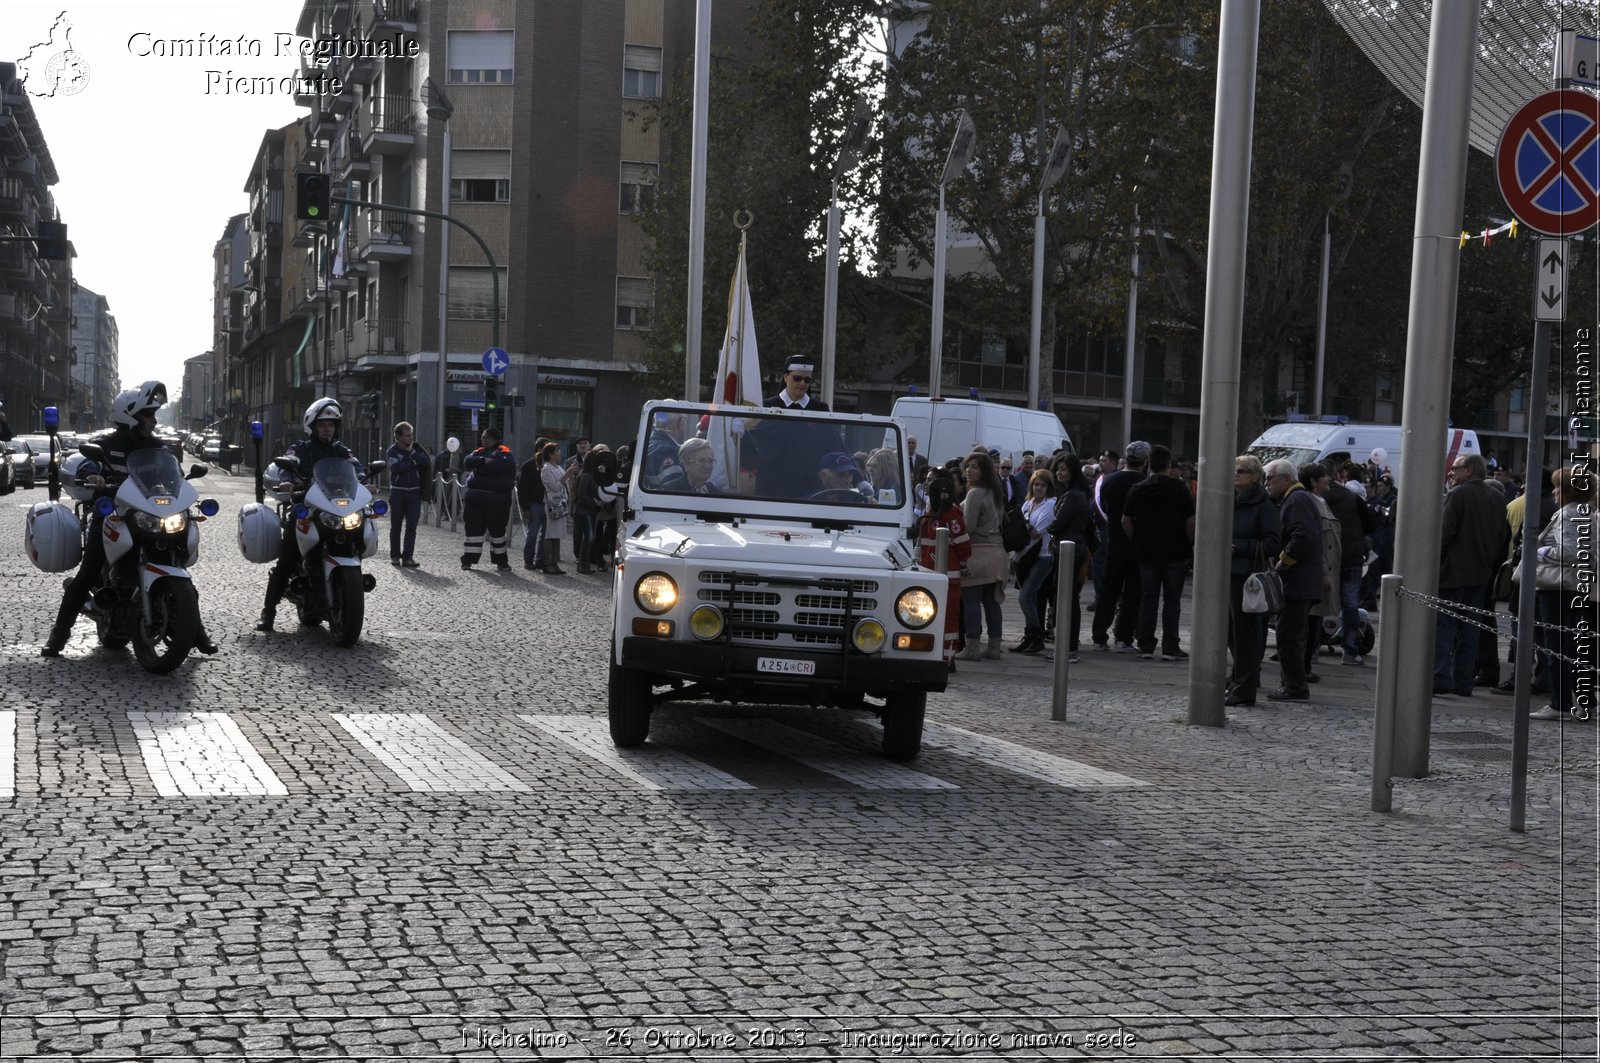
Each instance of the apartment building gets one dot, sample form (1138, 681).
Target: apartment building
(35, 292)
(96, 376)
(523, 121)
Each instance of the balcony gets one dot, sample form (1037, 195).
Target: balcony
(14, 201)
(391, 127)
(387, 237)
(396, 19)
(13, 318)
(15, 261)
(386, 335)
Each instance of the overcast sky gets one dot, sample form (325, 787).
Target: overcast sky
(152, 153)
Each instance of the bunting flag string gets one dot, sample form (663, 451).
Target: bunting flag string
(1486, 235)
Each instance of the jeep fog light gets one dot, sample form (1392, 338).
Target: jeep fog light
(656, 593)
(869, 636)
(916, 608)
(706, 622)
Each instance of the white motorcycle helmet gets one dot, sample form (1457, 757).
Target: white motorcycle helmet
(69, 478)
(54, 540)
(260, 535)
(323, 409)
(146, 398)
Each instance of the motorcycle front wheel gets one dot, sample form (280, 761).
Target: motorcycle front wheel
(349, 605)
(162, 643)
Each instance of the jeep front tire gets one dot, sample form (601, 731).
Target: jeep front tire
(629, 699)
(903, 711)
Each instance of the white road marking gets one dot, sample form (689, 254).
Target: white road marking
(201, 754)
(425, 756)
(657, 768)
(8, 754)
(1046, 767)
(814, 751)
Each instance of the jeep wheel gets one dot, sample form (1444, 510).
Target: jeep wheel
(629, 699)
(902, 724)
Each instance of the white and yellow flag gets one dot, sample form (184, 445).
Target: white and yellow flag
(738, 380)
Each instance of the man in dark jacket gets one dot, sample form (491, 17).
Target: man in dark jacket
(1300, 565)
(408, 467)
(1355, 525)
(1472, 543)
(1158, 518)
(491, 473)
(1119, 594)
(530, 496)
(1256, 539)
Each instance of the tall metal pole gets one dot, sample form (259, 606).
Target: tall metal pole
(1130, 347)
(936, 343)
(830, 298)
(1232, 138)
(1322, 320)
(697, 198)
(444, 291)
(1430, 344)
(1531, 526)
(1036, 313)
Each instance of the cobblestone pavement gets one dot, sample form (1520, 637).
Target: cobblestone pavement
(425, 846)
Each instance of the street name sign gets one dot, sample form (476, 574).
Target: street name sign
(1578, 59)
(1548, 162)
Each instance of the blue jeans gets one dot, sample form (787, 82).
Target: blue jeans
(1350, 609)
(405, 508)
(1038, 576)
(533, 542)
(979, 604)
(1455, 641)
(1160, 582)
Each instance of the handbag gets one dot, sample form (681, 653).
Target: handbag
(556, 506)
(1505, 580)
(1263, 589)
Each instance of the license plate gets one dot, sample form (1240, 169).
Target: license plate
(785, 666)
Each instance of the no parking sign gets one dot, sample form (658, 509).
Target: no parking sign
(1548, 162)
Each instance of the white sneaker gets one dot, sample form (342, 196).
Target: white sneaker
(1126, 647)
(1547, 713)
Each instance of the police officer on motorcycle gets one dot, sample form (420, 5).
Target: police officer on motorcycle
(134, 412)
(322, 420)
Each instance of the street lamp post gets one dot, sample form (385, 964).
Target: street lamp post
(849, 152)
(1055, 166)
(961, 147)
(440, 109)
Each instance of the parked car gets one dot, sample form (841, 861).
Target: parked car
(19, 455)
(8, 475)
(40, 446)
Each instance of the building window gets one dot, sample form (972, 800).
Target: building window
(472, 293)
(1517, 397)
(480, 190)
(480, 57)
(641, 72)
(638, 187)
(634, 301)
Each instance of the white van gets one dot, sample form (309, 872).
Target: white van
(1334, 444)
(950, 428)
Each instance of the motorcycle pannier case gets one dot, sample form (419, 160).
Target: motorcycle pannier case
(260, 534)
(54, 539)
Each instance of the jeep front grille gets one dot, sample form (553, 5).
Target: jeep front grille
(780, 611)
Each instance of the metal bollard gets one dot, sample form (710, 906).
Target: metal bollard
(438, 502)
(1066, 583)
(1387, 690)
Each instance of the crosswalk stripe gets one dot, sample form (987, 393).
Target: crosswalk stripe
(1046, 767)
(814, 751)
(425, 756)
(658, 768)
(8, 754)
(201, 754)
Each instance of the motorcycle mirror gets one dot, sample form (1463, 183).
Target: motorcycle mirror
(376, 468)
(92, 451)
(196, 471)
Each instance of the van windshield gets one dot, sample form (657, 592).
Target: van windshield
(763, 455)
(1298, 455)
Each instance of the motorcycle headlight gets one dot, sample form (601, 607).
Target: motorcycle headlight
(352, 522)
(145, 521)
(330, 520)
(915, 608)
(656, 593)
(174, 524)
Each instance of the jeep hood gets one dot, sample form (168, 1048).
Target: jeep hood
(785, 544)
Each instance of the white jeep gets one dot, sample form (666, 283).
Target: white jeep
(756, 566)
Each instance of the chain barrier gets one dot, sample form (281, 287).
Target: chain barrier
(1460, 612)
(1572, 769)
(448, 500)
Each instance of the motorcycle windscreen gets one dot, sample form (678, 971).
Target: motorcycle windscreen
(336, 477)
(155, 472)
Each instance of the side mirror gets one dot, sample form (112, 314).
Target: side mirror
(196, 471)
(92, 451)
(377, 468)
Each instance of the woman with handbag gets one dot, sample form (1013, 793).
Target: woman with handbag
(1256, 540)
(1036, 562)
(1564, 574)
(557, 503)
(989, 565)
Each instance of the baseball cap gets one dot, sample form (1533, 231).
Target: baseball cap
(837, 461)
(1138, 450)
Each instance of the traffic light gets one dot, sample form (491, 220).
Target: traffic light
(52, 241)
(491, 393)
(311, 191)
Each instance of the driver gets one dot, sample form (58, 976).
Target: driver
(838, 473)
(322, 419)
(134, 412)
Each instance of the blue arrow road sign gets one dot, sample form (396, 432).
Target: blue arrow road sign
(496, 361)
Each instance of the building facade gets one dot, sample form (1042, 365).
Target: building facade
(96, 375)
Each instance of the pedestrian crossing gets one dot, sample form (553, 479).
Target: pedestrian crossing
(208, 754)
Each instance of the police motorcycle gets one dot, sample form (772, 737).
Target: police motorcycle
(151, 535)
(334, 531)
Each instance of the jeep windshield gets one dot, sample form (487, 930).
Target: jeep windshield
(743, 454)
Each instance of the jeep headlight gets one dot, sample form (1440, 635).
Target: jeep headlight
(706, 622)
(868, 636)
(656, 593)
(915, 608)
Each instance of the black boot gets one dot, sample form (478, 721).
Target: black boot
(56, 642)
(204, 644)
(1025, 646)
(265, 623)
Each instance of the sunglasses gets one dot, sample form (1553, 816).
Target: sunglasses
(1005, 468)
(801, 379)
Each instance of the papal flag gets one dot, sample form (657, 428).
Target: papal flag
(738, 380)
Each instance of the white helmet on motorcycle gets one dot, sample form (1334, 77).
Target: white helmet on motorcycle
(260, 535)
(146, 398)
(323, 409)
(54, 540)
(71, 469)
